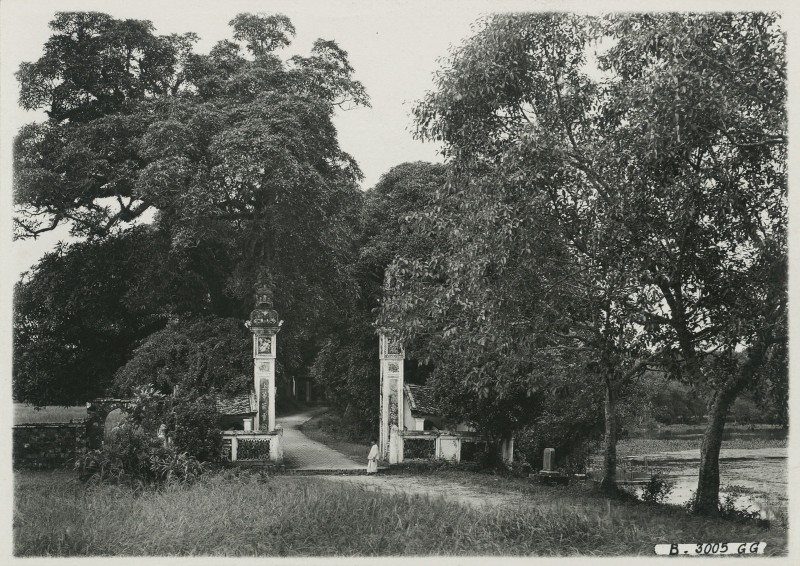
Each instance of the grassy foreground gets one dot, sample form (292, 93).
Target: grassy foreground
(263, 515)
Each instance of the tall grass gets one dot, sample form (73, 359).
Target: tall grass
(259, 515)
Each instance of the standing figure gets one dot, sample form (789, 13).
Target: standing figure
(372, 459)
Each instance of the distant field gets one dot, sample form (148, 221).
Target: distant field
(26, 414)
(634, 446)
(690, 437)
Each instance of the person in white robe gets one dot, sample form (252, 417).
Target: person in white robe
(372, 459)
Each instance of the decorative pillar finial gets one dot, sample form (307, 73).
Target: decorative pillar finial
(263, 289)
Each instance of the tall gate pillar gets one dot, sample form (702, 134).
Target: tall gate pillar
(265, 326)
(391, 355)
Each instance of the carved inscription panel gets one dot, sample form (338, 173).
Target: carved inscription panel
(263, 346)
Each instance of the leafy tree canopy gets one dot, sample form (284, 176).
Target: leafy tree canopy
(239, 151)
(652, 149)
(202, 356)
(234, 152)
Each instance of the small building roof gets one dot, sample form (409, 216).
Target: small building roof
(242, 404)
(421, 400)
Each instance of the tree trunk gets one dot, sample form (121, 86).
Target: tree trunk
(609, 482)
(707, 496)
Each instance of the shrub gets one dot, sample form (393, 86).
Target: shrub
(656, 489)
(124, 455)
(169, 465)
(147, 408)
(728, 509)
(191, 420)
(194, 428)
(130, 455)
(197, 354)
(521, 468)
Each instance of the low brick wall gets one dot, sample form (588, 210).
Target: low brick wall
(47, 445)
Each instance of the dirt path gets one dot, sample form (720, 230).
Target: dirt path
(302, 453)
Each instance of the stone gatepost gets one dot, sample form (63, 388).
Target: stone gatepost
(391, 354)
(265, 326)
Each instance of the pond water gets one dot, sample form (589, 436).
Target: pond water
(757, 478)
(758, 481)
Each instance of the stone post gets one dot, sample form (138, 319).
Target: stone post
(391, 354)
(548, 460)
(265, 326)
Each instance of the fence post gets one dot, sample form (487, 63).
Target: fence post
(234, 447)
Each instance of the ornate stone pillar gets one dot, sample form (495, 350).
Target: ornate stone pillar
(391, 354)
(265, 326)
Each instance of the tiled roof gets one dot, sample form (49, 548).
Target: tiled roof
(241, 404)
(420, 397)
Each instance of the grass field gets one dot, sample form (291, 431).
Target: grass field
(26, 414)
(259, 515)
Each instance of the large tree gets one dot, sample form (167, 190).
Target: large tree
(234, 151)
(701, 106)
(660, 160)
(536, 291)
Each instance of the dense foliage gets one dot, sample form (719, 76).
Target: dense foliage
(187, 417)
(347, 364)
(606, 244)
(233, 153)
(161, 439)
(83, 307)
(202, 355)
(618, 202)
